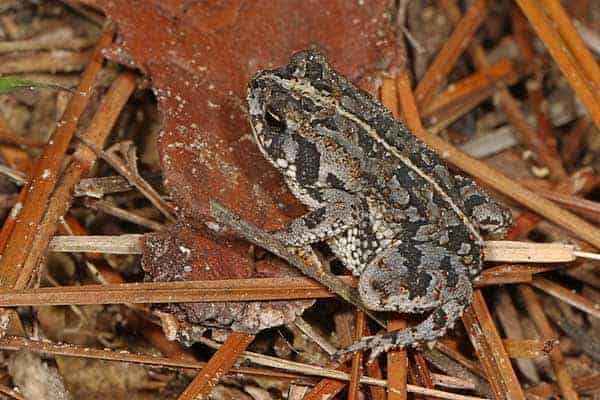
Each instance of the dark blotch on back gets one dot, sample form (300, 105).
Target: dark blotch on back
(307, 162)
(418, 285)
(451, 275)
(439, 319)
(334, 182)
(328, 123)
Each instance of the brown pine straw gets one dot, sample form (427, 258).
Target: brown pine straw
(422, 372)
(568, 296)
(397, 367)
(537, 314)
(462, 96)
(451, 51)
(218, 365)
(565, 46)
(82, 161)
(507, 103)
(581, 181)
(374, 371)
(45, 173)
(356, 369)
(258, 289)
(547, 150)
(583, 384)
(325, 389)
(567, 30)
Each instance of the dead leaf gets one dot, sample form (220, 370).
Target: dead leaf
(183, 253)
(199, 56)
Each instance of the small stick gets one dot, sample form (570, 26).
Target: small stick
(397, 366)
(217, 366)
(306, 261)
(546, 331)
(18, 177)
(576, 300)
(133, 178)
(125, 215)
(356, 370)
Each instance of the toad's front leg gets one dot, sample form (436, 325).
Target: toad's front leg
(340, 211)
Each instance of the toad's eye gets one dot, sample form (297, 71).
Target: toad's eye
(273, 120)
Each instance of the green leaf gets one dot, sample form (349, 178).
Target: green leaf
(11, 83)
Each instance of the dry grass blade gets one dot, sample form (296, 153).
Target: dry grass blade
(111, 209)
(217, 366)
(18, 177)
(45, 174)
(98, 187)
(494, 251)
(119, 244)
(515, 252)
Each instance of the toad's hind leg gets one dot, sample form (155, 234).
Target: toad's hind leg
(433, 327)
